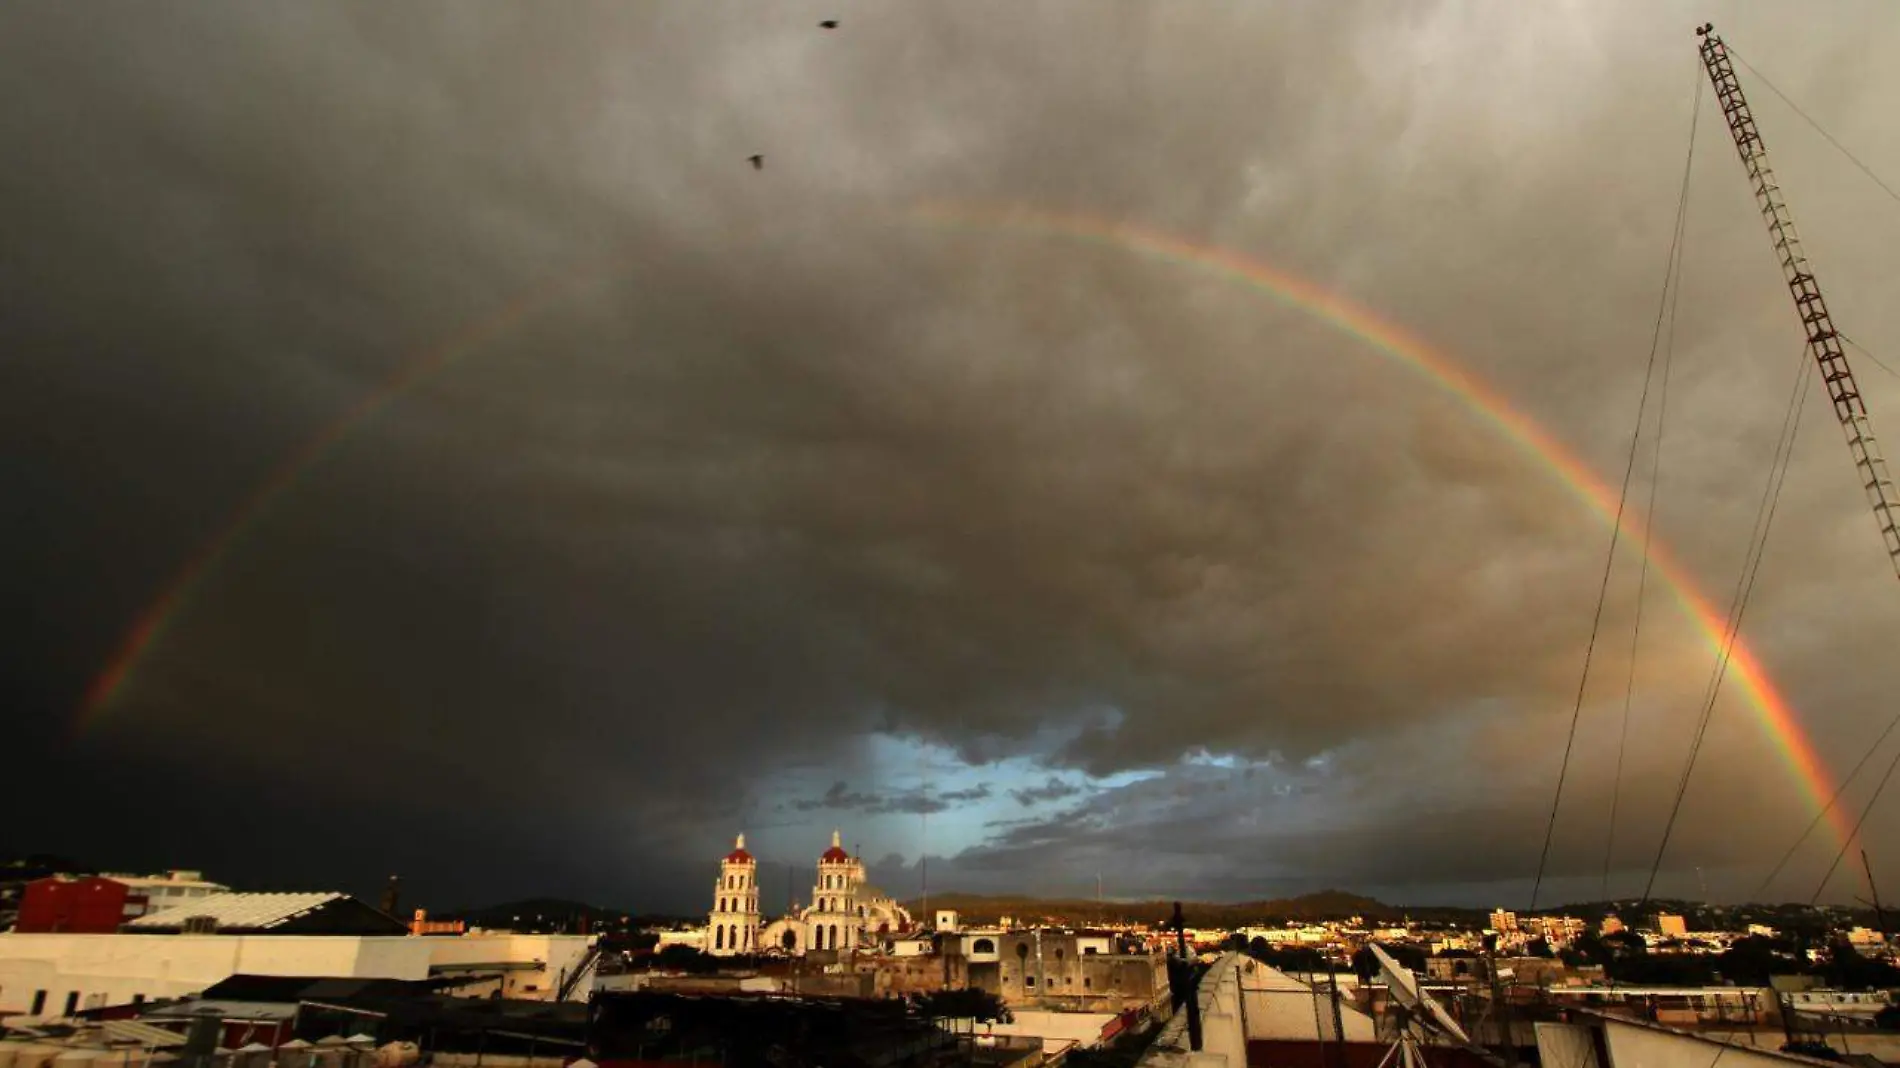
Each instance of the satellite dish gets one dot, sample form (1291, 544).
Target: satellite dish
(1405, 989)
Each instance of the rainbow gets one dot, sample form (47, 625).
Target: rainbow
(412, 371)
(1770, 708)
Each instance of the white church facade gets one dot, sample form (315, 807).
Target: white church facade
(846, 915)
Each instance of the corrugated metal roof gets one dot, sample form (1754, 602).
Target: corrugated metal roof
(246, 1011)
(243, 911)
(142, 1033)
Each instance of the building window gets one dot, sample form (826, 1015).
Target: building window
(1029, 980)
(719, 938)
(72, 1002)
(39, 1003)
(138, 999)
(982, 945)
(1087, 982)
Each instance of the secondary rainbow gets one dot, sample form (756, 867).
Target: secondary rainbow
(410, 372)
(1768, 705)
(1770, 708)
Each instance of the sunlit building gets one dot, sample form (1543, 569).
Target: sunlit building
(846, 915)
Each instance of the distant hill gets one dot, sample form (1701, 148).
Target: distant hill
(40, 865)
(1339, 904)
(538, 914)
(553, 915)
(1324, 905)
(1701, 916)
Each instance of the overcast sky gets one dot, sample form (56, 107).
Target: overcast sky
(691, 498)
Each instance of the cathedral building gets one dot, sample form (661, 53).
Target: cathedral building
(846, 915)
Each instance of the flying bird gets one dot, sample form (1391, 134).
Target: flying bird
(829, 24)
(758, 162)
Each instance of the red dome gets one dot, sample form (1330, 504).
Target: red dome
(834, 855)
(738, 854)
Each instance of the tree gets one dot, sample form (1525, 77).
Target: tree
(1752, 960)
(1366, 966)
(1407, 956)
(1539, 947)
(691, 961)
(1587, 951)
(1625, 944)
(1848, 970)
(968, 1003)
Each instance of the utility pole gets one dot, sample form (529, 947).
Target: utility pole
(1503, 1014)
(1880, 914)
(1191, 995)
(1824, 342)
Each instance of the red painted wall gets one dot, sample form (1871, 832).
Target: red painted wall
(73, 906)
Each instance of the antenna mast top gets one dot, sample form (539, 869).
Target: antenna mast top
(1824, 342)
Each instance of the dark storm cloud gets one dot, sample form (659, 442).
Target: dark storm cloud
(774, 465)
(840, 798)
(1052, 789)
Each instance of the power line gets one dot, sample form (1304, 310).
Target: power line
(1738, 606)
(1825, 809)
(1866, 810)
(1629, 469)
(1672, 291)
(1851, 158)
(1862, 349)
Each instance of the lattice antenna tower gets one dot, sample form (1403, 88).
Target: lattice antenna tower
(1824, 342)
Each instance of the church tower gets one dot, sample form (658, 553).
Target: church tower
(733, 926)
(836, 916)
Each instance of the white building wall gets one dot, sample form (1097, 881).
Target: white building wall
(992, 940)
(692, 939)
(171, 890)
(113, 969)
(1636, 1046)
(557, 955)
(1058, 1030)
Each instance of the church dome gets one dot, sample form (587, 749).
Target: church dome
(738, 854)
(836, 854)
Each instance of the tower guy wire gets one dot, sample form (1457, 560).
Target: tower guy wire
(1672, 290)
(1738, 604)
(1622, 502)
